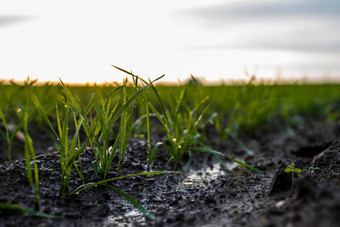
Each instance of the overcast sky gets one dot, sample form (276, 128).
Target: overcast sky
(219, 40)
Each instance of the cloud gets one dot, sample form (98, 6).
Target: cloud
(6, 21)
(269, 9)
(276, 45)
(314, 39)
(304, 25)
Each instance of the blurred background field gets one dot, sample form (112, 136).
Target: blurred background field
(236, 108)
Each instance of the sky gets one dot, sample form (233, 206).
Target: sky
(217, 40)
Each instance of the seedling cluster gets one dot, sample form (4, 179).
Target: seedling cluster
(108, 113)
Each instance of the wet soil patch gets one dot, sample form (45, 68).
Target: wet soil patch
(206, 195)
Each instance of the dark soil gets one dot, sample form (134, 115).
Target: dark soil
(207, 195)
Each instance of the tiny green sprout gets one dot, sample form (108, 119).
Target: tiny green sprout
(313, 169)
(291, 169)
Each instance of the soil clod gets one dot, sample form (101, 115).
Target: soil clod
(281, 181)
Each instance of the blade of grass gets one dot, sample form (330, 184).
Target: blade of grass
(17, 208)
(68, 95)
(244, 147)
(147, 116)
(214, 152)
(132, 201)
(88, 185)
(187, 165)
(29, 156)
(245, 165)
(16, 130)
(114, 90)
(129, 101)
(125, 195)
(127, 133)
(9, 153)
(43, 113)
(152, 154)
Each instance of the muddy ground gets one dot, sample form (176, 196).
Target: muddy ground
(206, 195)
